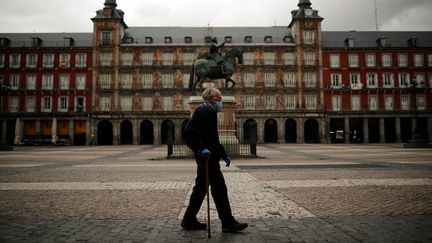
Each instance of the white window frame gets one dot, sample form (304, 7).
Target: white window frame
(405, 102)
(105, 103)
(310, 79)
(289, 58)
(47, 81)
(421, 102)
(126, 80)
(418, 60)
(355, 81)
(64, 60)
(430, 60)
(388, 80)
(185, 80)
(269, 58)
(63, 104)
(290, 79)
(373, 102)
(14, 80)
(355, 103)
(46, 104)
(336, 102)
(167, 81)
(372, 80)
(270, 80)
(403, 60)
(126, 59)
(336, 80)
(105, 58)
(105, 81)
(188, 58)
(80, 81)
(291, 102)
(13, 104)
(147, 80)
(64, 81)
(15, 60)
(31, 60)
(404, 80)
(31, 81)
(48, 60)
(81, 60)
(30, 103)
(77, 108)
(388, 102)
(309, 58)
(334, 61)
(167, 103)
(270, 102)
(309, 36)
(2, 60)
(353, 60)
(386, 59)
(310, 102)
(370, 60)
(250, 102)
(248, 58)
(167, 58)
(249, 80)
(126, 103)
(147, 103)
(147, 58)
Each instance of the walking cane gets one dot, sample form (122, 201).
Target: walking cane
(208, 196)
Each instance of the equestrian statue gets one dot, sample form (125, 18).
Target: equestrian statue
(215, 66)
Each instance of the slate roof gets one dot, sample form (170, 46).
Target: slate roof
(49, 39)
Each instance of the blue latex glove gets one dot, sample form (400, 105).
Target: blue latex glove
(205, 153)
(227, 161)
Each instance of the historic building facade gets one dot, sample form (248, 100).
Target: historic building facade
(297, 83)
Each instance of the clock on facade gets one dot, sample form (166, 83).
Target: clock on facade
(308, 12)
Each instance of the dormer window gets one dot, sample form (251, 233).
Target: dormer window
(412, 42)
(268, 39)
(36, 42)
(168, 39)
(288, 39)
(148, 40)
(188, 39)
(228, 39)
(69, 42)
(4, 42)
(207, 39)
(382, 42)
(128, 40)
(349, 42)
(248, 39)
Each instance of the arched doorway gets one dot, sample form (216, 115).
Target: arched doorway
(104, 133)
(270, 131)
(167, 124)
(290, 131)
(390, 130)
(249, 131)
(184, 123)
(146, 132)
(126, 132)
(311, 131)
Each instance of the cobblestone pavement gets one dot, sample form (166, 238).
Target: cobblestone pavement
(291, 193)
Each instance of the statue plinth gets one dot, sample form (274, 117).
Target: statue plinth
(226, 122)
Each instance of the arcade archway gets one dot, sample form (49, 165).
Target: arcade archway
(105, 133)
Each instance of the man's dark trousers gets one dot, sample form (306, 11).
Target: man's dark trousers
(218, 190)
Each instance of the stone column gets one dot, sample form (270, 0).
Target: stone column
(300, 130)
(381, 130)
(116, 132)
(398, 130)
(324, 131)
(430, 129)
(135, 132)
(71, 130)
(347, 130)
(281, 131)
(88, 132)
(157, 133)
(260, 130)
(365, 130)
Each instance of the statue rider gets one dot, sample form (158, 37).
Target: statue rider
(215, 54)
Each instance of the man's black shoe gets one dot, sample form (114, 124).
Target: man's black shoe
(194, 225)
(234, 227)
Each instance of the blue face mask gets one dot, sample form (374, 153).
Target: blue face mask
(218, 105)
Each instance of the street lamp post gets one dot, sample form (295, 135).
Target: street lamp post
(417, 141)
(3, 145)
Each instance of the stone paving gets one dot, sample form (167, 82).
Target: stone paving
(291, 193)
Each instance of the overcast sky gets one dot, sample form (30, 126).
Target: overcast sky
(74, 15)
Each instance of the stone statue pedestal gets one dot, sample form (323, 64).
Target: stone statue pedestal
(226, 120)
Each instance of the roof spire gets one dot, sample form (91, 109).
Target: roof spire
(304, 4)
(110, 3)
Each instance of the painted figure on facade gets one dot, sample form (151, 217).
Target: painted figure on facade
(215, 66)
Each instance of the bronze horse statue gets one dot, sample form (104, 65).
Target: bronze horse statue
(204, 69)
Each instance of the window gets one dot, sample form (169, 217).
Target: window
(64, 60)
(126, 81)
(147, 80)
(418, 60)
(188, 39)
(289, 79)
(373, 102)
(289, 58)
(269, 58)
(355, 103)
(167, 58)
(388, 102)
(270, 102)
(334, 61)
(404, 80)
(386, 60)
(80, 81)
(353, 60)
(309, 58)
(47, 81)
(291, 102)
(388, 80)
(429, 60)
(168, 40)
(250, 102)
(63, 104)
(106, 38)
(105, 103)
(310, 80)
(31, 60)
(309, 36)
(167, 81)
(126, 103)
(355, 81)
(48, 60)
(421, 102)
(148, 40)
(31, 82)
(336, 102)
(270, 80)
(403, 60)
(2, 60)
(228, 39)
(147, 103)
(336, 80)
(13, 104)
(64, 81)
(186, 80)
(14, 81)
(105, 59)
(249, 80)
(105, 81)
(370, 60)
(186, 106)
(372, 80)
(46, 104)
(248, 39)
(188, 58)
(310, 102)
(30, 103)
(405, 102)
(81, 60)
(268, 39)
(147, 58)
(249, 58)
(167, 103)
(419, 78)
(15, 61)
(79, 104)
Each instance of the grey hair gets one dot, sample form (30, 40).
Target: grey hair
(207, 93)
